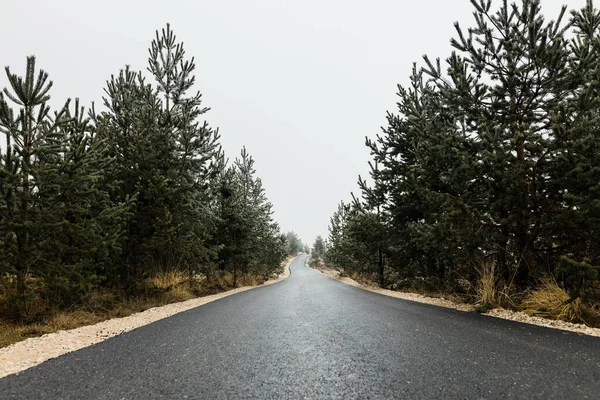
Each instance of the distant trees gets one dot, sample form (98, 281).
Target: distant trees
(490, 160)
(293, 243)
(112, 198)
(250, 239)
(318, 249)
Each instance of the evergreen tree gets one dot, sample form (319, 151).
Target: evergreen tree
(58, 224)
(114, 198)
(337, 253)
(318, 249)
(490, 160)
(572, 236)
(503, 82)
(166, 158)
(293, 243)
(251, 242)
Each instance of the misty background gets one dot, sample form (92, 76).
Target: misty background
(300, 84)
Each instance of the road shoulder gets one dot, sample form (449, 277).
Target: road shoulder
(440, 302)
(34, 351)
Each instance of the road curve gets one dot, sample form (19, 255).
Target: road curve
(312, 337)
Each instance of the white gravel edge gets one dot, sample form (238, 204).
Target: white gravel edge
(31, 352)
(495, 313)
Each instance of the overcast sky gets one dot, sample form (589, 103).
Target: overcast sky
(299, 83)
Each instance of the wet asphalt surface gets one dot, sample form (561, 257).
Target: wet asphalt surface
(312, 337)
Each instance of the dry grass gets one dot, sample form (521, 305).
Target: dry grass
(251, 280)
(167, 280)
(158, 290)
(88, 314)
(491, 291)
(486, 287)
(170, 286)
(551, 301)
(65, 320)
(70, 320)
(365, 279)
(177, 294)
(10, 333)
(38, 319)
(223, 281)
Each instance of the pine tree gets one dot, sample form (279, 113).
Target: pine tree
(293, 243)
(492, 159)
(167, 159)
(572, 240)
(26, 133)
(503, 80)
(318, 249)
(58, 225)
(87, 227)
(250, 239)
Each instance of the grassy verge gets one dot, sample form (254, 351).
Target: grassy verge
(158, 290)
(546, 299)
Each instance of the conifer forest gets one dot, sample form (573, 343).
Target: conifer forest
(486, 179)
(485, 182)
(446, 176)
(98, 206)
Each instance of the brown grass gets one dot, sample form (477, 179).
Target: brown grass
(167, 280)
(177, 294)
(70, 320)
(486, 287)
(551, 301)
(222, 281)
(14, 332)
(158, 290)
(251, 280)
(10, 333)
(491, 291)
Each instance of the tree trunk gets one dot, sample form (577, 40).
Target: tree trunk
(381, 275)
(501, 247)
(234, 275)
(23, 232)
(526, 261)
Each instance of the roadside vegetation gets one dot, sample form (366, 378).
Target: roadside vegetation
(485, 183)
(112, 210)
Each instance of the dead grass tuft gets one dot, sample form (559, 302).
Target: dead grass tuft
(170, 287)
(71, 320)
(177, 294)
(487, 285)
(551, 301)
(12, 333)
(224, 281)
(166, 280)
(251, 280)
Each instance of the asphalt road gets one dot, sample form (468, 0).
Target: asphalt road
(313, 337)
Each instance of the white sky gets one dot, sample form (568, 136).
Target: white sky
(299, 83)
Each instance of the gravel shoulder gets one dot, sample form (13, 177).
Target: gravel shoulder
(31, 352)
(495, 313)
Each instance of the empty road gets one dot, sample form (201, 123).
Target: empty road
(312, 337)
